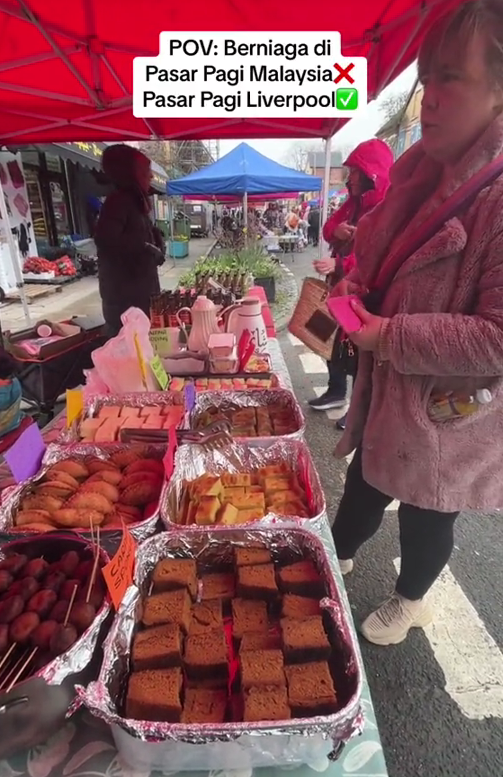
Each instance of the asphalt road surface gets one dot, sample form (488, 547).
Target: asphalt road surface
(439, 695)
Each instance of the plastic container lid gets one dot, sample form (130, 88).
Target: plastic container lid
(483, 396)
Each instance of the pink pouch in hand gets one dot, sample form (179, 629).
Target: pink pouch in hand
(340, 308)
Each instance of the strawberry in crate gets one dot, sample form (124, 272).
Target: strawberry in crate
(65, 266)
(37, 265)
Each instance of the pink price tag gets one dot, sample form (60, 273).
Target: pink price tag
(169, 456)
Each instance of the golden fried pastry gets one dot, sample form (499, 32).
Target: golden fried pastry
(72, 467)
(89, 500)
(38, 502)
(77, 518)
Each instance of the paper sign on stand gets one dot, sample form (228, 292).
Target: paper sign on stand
(169, 456)
(74, 405)
(25, 456)
(160, 340)
(160, 373)
(141, 360)
(119, 572)
(190, 397)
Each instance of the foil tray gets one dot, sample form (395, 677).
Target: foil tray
(56, 452)
(230, 400)
(94, 403)
(192, 461)
(149, 745)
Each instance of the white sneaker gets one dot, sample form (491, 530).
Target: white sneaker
(390, 623)
(346, 565)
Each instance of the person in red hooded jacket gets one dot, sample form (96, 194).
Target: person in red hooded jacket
(367, 183)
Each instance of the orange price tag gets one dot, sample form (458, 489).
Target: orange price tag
(118, 573)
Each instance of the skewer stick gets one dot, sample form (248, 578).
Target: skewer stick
(94, 572)
(70, 605)
(22, 670)
(91, 526)
(13, 670)
(6, 656)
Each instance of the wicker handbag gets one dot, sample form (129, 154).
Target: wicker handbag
(311, 321)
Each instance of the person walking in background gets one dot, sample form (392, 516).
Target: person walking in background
(130, 247)
(313, 232)
(368, 180)
(431, 255)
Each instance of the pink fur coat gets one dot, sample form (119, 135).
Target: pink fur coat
(445, 333)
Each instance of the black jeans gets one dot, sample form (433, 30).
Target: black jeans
(337, 374)
(426, 536)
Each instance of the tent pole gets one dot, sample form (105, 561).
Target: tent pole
(15, 258)
(326, 189)
(245, 217)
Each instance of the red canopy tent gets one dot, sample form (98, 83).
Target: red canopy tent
(66, 65)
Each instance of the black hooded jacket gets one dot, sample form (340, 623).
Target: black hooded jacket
(127, 266)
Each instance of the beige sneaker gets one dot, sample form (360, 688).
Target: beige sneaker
(390, 623)
(346, 565)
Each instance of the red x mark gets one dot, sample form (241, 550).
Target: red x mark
(344, 73)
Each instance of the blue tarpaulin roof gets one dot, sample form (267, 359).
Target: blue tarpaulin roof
(244, 170)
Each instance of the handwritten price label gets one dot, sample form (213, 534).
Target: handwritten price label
(118, 573)
(159, 372)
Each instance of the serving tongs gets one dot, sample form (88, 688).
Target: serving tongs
(215, 436)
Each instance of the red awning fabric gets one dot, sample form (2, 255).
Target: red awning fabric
(66, 65)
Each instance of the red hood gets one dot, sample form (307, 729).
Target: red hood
(374, 158)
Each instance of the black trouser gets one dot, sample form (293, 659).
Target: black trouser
(426, 536)
(337, 374)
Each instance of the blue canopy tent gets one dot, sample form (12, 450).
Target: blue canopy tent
(244, 171)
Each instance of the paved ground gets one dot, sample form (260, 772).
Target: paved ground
(82, 297)
(439, 695)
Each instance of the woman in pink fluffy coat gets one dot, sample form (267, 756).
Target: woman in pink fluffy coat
(438, 330)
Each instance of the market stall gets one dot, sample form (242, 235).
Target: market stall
(90, 741)
(40, 50)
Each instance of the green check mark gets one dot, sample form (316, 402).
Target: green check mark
(346, 99)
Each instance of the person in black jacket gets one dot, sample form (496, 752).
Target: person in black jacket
(130, 247)
(313, 232)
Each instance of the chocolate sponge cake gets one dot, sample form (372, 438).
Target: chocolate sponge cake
(155, 695)
(157, 648)
(171, 574)
(261, 667)
(204, 705)
(206, 655)
(257, 582)
(266, 703)
(248, 615)
(301, 578)
(304, 640)
(310, 689)
(168, 607)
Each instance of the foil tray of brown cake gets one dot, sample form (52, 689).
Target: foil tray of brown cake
(241, 483)
(104, 415)
(82, 486)
(236, 641)
(252, 414)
